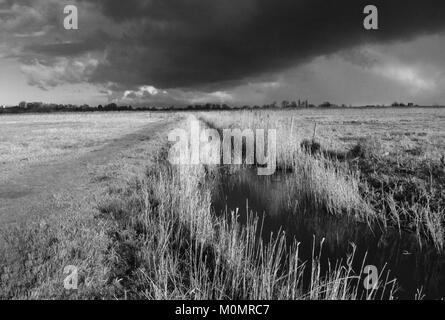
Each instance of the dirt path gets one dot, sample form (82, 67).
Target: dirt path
(34, 192)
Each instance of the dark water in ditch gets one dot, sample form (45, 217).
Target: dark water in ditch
(400, 254)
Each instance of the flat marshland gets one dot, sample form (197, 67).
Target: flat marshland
(353, 188)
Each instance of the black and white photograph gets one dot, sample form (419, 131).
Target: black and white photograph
(219, 156)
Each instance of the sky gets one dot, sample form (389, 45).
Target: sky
(177, 52)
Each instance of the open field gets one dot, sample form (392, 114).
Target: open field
(401, 129)
(138, 227)
(27, 140)
(42, 155)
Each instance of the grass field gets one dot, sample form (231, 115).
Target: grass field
(144, 229)
(26, 140)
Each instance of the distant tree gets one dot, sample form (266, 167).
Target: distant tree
(34, 105)
(111, 106)
(326, 104)
(22, 105)
(285, 104)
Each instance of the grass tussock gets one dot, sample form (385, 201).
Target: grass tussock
(327, 185)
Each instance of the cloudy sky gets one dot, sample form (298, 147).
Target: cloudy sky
(237, 52)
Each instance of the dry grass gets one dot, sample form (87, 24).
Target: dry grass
(328, 186)
(183, 251)
(155, 237)
(31, 139)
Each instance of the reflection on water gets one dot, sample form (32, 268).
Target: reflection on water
(272, 199)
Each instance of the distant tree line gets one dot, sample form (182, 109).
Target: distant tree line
(39, 107)
(401, 104)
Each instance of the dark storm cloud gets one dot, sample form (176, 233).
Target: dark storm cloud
(190, 43)
(72, 48)
(61, 49)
